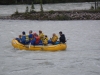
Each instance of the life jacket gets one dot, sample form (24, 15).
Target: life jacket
(37, 40)
(45, 41)
(33, 41)
(54, 38)
(27, 38)
(23, 40)
(30, 36)
(41, 35)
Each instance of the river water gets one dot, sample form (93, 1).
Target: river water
(82, 57)
(10, 9)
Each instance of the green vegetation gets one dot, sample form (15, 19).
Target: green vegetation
(92, 14)
(16, 12)
(57, 15)
(27, 10)
(7, 2)
(32, 8)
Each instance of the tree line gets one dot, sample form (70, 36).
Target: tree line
(7, 2)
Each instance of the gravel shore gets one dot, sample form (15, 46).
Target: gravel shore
(56, 15)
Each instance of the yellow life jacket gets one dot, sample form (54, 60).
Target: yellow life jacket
(27, 38)
(41, 35)
(54, 38)
(45, 41)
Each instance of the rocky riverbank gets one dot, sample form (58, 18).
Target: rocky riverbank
(56, 15)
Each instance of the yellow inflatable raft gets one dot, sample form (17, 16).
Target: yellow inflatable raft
(20, 46)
